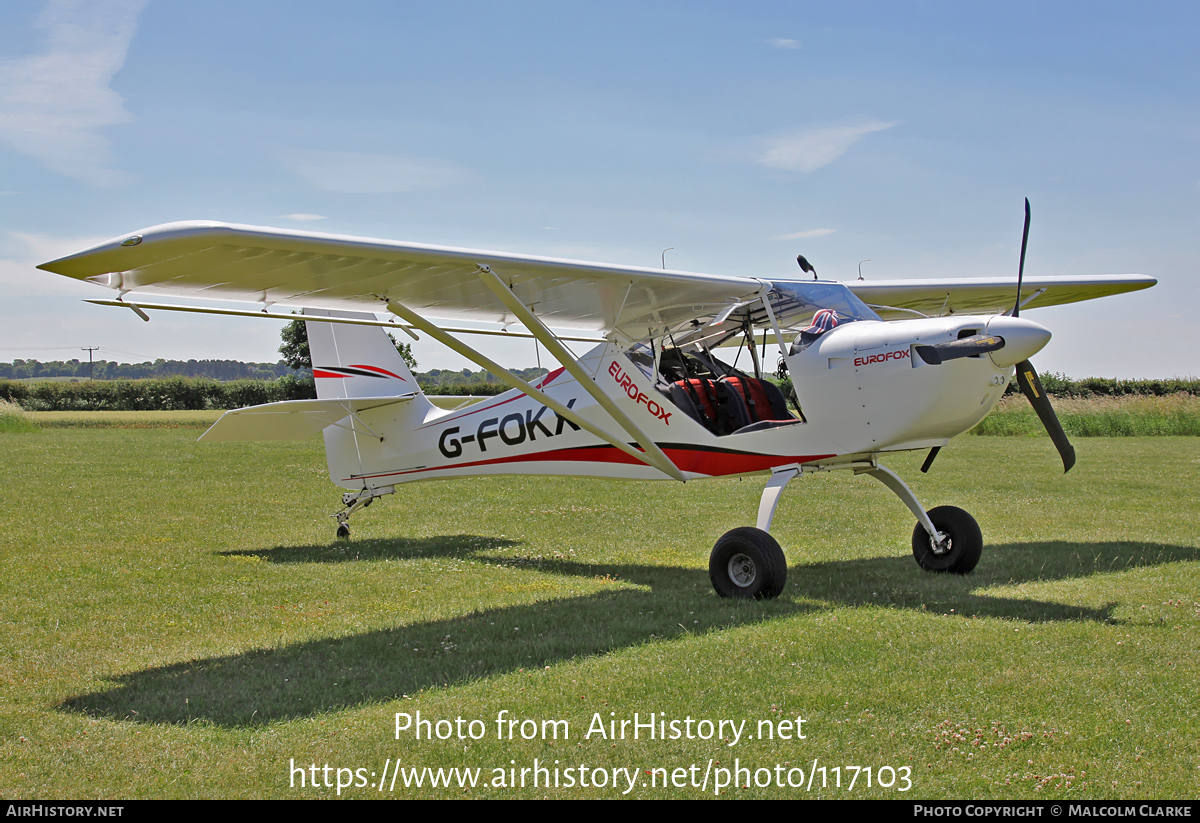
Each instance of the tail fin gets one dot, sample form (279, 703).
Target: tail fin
(351, 361)
(355, 361)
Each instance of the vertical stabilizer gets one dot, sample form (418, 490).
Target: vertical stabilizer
(355, 361)
(361, 361)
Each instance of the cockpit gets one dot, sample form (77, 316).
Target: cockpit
(683, 364)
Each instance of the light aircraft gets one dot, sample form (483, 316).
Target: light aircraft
(877, 367)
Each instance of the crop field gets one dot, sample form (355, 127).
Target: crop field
(1175, 415)
(179, 621)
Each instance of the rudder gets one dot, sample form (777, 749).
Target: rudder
(355, 361)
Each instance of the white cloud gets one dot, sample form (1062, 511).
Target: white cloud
(344, 171)
(304, 217)
(809, 150)
(20, 278)
(802, 234)
(53, 104)
(44, 247)
(783, 43)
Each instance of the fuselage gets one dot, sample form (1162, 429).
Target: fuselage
(860, 386)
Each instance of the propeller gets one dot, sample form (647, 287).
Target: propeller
(1016, 312)
(1027, 376)
(1031, 387)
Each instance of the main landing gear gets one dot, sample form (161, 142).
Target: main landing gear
(747, 563)
(353, 501)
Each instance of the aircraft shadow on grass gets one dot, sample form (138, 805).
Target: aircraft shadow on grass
(463, 546)
(309, 678)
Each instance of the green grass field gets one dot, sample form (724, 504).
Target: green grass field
(178, 621)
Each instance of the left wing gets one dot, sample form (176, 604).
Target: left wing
(259, 265)
(988, 295)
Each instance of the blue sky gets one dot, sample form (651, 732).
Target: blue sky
(739, 134)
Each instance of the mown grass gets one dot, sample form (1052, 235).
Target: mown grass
(178, 621)
(1175, 415)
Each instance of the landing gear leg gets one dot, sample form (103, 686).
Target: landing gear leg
(353, 501)
(748, 563)
(946, 539)
(770, 496)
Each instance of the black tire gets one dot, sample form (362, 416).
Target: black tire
(747, 563)
(966, 542)
(343, 531)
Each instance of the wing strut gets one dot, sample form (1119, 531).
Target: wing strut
(538, 329)
(409, 316)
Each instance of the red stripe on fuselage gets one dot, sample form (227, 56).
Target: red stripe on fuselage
(549, 378)
(698, 461)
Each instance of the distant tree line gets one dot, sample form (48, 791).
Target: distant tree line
(111, 370)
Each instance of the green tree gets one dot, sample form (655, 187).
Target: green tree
(297, 356)
(295, 346)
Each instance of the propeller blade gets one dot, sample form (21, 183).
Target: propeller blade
(1016, 312)
(939, 353)
(1031, 387)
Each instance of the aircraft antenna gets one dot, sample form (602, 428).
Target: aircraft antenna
(805, 266)
(860, 262)
(664, 255)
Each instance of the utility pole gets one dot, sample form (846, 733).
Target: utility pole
(89, 350)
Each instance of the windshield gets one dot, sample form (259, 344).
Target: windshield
(795, 302)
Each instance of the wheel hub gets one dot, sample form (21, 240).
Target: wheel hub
(742, 570)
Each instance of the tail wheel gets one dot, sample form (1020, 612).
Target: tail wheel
(747, 563)
(961, 549)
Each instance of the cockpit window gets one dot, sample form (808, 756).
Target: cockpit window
(796, 302)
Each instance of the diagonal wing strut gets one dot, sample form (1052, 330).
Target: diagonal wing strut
(409, 316)
(546, 337)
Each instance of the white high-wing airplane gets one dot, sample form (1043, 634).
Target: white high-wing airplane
(877, 367)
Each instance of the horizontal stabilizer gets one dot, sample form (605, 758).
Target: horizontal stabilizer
(293, 419)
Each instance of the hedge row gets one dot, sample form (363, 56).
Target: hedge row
(1059, 385)
(161, 394)
(193, 394)
(179, 393)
